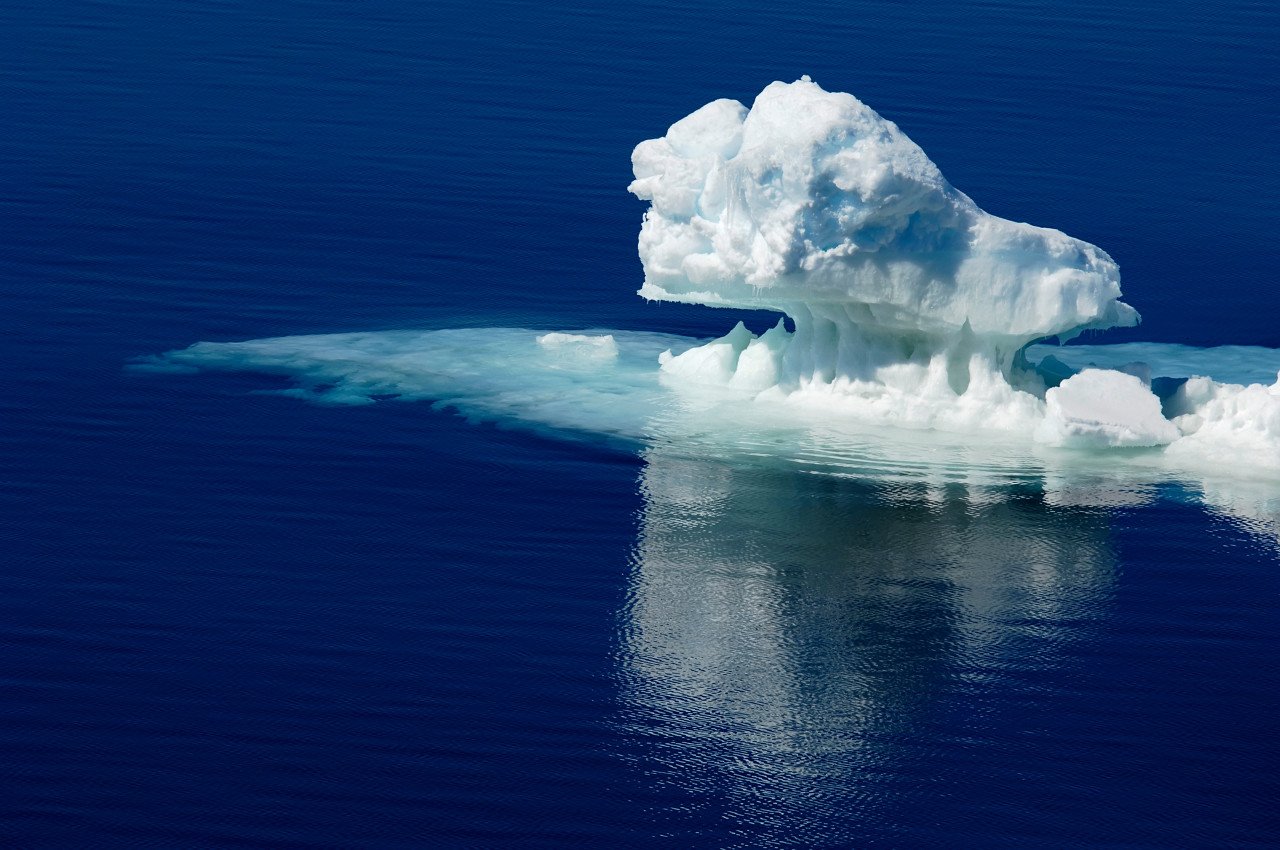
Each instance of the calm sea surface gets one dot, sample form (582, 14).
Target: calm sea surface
(236, 619)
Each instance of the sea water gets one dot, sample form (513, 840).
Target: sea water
(235, 617)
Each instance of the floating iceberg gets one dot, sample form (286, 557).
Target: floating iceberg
(909, 307)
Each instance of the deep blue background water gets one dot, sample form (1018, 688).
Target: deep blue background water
(235, 619)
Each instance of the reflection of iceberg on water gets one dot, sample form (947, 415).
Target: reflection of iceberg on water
(784, 631)
(909, 307)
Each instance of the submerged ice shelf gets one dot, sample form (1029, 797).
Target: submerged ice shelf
(909, 307)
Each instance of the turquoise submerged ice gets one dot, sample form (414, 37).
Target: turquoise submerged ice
(916, 315)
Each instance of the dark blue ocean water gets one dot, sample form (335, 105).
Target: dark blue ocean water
(235, 619)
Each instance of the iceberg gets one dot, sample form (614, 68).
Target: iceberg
(911, 305)
(812, 205)
(904, 305)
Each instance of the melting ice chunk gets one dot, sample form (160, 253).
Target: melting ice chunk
(581, 346)
(1104, 407)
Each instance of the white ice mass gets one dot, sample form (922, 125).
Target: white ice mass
(813, 205)
(910, 307)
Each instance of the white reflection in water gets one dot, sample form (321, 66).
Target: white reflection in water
(787, 633)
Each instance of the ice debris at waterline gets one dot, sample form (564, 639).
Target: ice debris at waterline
(911, 306)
